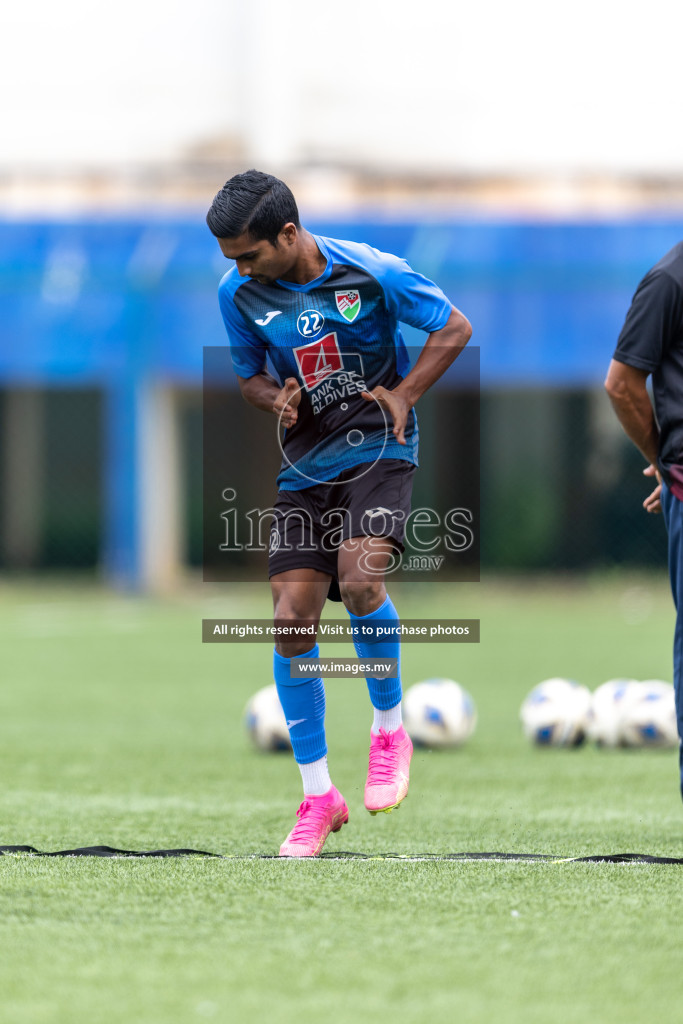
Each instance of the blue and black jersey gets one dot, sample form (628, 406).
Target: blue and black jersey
(338, 336)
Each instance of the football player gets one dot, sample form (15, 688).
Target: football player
(325, 313)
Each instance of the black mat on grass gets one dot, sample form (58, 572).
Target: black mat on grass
(548, 858)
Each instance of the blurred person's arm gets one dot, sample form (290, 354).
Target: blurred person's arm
(651, 327)
(627, 390)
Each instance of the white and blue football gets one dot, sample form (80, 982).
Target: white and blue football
(555, 713)
(265, 720)
(649, 716)
(607, 711)
(438, 713)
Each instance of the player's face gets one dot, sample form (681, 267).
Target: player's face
(262, 260)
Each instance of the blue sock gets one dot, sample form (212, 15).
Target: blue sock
(384, 693)
(303, 702)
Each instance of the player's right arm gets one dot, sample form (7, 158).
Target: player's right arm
(248, 354)
(265, 393)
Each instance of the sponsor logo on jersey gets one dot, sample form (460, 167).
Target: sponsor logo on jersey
(328, 374)
(268, 317)
(274, 540)
(319, 360)
(348, 304)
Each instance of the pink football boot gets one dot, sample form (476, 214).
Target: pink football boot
(389, 770)
(318, 816)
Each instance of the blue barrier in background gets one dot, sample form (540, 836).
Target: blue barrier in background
(122, 303)
(95, 301)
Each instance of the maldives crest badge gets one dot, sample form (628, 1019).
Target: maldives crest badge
(348, 304)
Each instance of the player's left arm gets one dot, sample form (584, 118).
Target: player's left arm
(440, 350)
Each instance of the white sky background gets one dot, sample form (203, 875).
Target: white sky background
(493, 86)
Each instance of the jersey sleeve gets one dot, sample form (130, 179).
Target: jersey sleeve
(652, 322)
(247, 351)
(412, 298)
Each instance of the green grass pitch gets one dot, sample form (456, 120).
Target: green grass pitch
(118, 727)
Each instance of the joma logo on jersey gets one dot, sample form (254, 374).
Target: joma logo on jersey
(319, 360)
(348, 304)
(268, 317)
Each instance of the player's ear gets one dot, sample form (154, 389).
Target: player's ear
(288, 234)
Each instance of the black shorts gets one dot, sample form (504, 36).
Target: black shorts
(370, 500)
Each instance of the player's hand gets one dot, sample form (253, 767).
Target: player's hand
(396, 406)
(287, 401)
(653, 501)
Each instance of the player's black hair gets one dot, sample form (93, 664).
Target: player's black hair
(253, 202)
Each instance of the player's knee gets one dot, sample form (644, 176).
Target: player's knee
(294, 648)
(295, 628)
(364, 597)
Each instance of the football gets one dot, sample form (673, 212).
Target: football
(265, 720)
(606, 711)
(649, 715)
(438, 713)
(555, 713)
